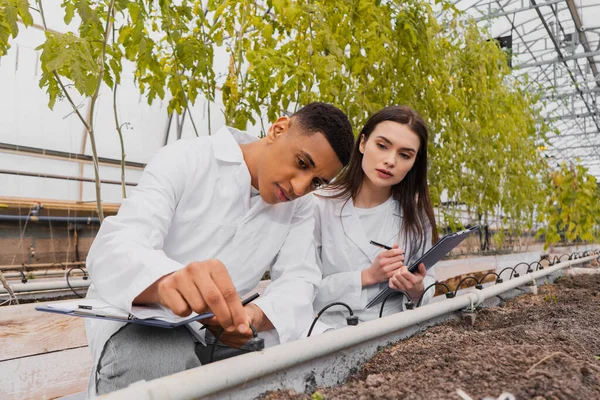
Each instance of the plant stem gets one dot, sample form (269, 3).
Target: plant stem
(187, 102)
(123, 190)
(88, 126)
(11, 294)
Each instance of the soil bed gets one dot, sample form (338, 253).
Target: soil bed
(536, 347)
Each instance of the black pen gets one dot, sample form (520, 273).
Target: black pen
(380, 245)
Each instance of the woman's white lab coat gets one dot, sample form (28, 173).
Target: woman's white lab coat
(192, 204)
(343, 251)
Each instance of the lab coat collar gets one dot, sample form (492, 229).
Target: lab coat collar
(346, 209)
(226, 144)
(353, 227)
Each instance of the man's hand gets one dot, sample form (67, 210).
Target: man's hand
(384, 266)
(409, 282)
(236, 339)
(199, 287)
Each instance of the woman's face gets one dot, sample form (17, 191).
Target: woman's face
(389, 153)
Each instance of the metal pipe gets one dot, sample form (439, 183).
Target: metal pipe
(515, 11)
(39, 218)
(582, 37)
(28, 267)
(213, 379)
(39, 286)
(587, 54)
(63, 177)
(65, 156)
(41, 275)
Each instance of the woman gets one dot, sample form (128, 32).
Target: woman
(382, 196)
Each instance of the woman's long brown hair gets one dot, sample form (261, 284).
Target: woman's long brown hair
(412, 193)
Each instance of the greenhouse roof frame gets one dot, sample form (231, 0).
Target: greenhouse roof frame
(557, 44)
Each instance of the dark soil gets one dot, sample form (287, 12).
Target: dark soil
(544, 346)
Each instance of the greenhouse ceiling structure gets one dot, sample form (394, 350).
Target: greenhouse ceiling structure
(557, 44)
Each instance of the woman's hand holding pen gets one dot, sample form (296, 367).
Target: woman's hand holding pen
(383, 268)
(411, 283)
(199, 287)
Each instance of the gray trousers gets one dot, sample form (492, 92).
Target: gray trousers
(139, 352)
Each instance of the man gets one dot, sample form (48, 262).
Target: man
(206, 220)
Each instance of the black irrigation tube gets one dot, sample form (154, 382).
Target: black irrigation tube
(477, 284)
(351, 320)
(19, 270)
(449, 293)
(515, 273)
(57, 263)
(505, 269)
(557, 259)
(498, 279)
(395, 292)
(255, 343)
(85, 277)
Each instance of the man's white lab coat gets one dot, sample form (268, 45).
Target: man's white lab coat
(192, 204)
(343, 251)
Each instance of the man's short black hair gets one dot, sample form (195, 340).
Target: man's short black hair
(332, 123)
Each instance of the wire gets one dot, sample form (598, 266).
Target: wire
(214, 345)
(514, 270)
(85, 277)
(505, 269)
(449, 293)
(464, 280)
(52, 266)
(538, 265)
(498, 279)
(22, 235)
(255, 342)
(558, 259)
(349, 320)
(395, 292)
(23, 276)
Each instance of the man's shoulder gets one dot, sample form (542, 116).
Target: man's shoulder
(200, 143)
(193, 149)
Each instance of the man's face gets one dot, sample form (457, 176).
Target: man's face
(294, 164)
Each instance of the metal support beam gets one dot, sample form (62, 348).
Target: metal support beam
(593, 113)
(591, 146)
(574, 116)
(515, 11)
(559, 137)
(63, 177)
(557, 60)
(570, 94)
(582, 37)
(583, 156)
(64, 156)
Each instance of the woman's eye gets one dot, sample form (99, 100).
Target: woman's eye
(381, 146)
(301, 163)
(405, 156)
(317, 183)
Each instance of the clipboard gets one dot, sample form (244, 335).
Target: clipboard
(98, 309)
(431, 257)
